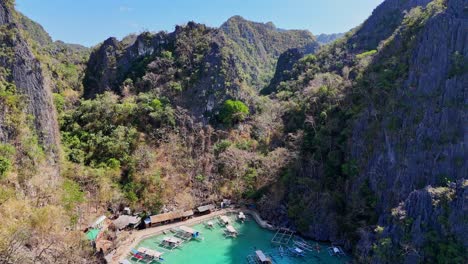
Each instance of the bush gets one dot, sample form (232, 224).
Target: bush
(167, 55)
(175, 86)
(5, 165)
(222, 146)
(200, 177)
(366, 54)
(233, 111)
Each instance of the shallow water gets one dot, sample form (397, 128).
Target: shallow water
(217, 249)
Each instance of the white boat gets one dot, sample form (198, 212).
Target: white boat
(336, 251)
(224, 220)
(209, 224)
(230, 231)
(241, 216)
(297, 251)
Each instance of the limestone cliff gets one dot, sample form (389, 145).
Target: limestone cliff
(196, 66)
(391, 124)
(25, 72)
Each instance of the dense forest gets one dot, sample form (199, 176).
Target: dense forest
(357, 139)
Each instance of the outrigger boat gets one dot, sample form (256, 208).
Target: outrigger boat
(146, 255)
(262, 258)
(297, 251)
(336, 251)
(241, 217)
(170, 243)
(303, 245)
(230, 231)
(209, 225)
(224, 220)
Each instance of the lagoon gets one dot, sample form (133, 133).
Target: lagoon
(215, 248)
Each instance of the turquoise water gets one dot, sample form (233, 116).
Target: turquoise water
(217, 249)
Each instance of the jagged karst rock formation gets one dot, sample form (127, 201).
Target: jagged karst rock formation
(406, 130)
(361, 142)
(216, 63)
(328, 38)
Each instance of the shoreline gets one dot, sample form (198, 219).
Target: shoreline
(136, 236)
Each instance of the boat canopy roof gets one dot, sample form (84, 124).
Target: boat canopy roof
(150, 252)
(261, 256)
(172, 240)
(188, 230)
(231, 229)
(298, 250)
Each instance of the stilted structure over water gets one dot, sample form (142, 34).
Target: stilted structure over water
(282, 236)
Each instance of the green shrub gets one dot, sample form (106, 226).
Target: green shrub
(222, 146)
(72, 195)
(5, 166)
(167, 55)
(175, 86)
(59, 102)
(233, 111)
(366, 54)
(200, 177)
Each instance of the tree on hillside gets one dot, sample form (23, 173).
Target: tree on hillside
(233, 111)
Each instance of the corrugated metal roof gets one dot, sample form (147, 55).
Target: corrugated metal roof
(99, 221)
(126, 220)
(205, 208)
(170, 216)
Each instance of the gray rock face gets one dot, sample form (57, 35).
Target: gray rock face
(414, 138)
(211, 65)
(324, 39)
(27, 75)
(430, 146)
(285, 64)
(429, 215)
(382, 23)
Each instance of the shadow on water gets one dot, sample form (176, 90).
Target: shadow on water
(252, 237)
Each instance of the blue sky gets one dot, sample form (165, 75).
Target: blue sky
(89, 22)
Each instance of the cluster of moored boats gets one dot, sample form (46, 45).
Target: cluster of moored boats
(296, 247)
(299, 248)
(183, 234)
